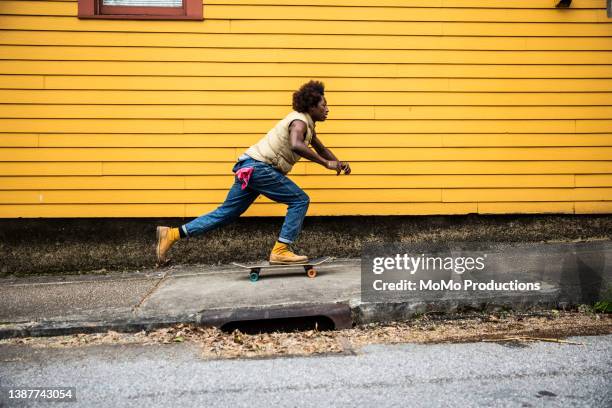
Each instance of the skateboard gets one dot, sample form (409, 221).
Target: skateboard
(309, 267)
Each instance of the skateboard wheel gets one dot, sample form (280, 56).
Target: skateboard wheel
(254, 276)
(312, 272)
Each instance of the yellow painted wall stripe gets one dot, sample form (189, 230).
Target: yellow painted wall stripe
(18, 140)
(330, 140)
(332, 126)
(516, 195)
(333, 84)
(193, 210)
(308, 182)
(303, 41)
(526, 208)
(322, 56)
(476, 168)
(370, 154)
(210, 112)
(50, 169)
(265, 12)
(205, 168)
(302, 168)
(279, 98)
(593, 180)
(595, 207)
(207, 196)
(171, 210)
(364, 70)
(366, 195)
(509, 29)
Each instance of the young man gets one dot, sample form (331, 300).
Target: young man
(262, 169)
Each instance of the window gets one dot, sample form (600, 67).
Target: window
(141, 9)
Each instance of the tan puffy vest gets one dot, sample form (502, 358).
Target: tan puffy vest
(275, 147)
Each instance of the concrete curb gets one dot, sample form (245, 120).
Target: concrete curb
(343, 315)
(60, 328)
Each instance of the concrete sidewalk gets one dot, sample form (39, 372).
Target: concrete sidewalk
(153, 298)
(223, 294)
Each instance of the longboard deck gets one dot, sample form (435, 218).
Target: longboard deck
(255, 269)
(312, 262)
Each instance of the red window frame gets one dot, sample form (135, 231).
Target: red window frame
(191, 10)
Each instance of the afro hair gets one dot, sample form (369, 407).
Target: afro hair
(308, 95)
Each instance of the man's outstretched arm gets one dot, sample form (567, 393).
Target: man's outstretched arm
(297, 131)
(326, 153)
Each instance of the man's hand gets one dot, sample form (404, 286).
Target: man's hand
(339, 166)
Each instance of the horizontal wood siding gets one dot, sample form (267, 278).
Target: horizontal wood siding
(442, 106)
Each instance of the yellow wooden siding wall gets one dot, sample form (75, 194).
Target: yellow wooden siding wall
(442, 106)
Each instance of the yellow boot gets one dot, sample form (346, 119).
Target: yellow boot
(166, 237)
(282, 255)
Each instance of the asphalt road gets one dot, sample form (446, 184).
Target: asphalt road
(409, 375)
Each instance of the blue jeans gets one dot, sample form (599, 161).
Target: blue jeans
(265, 180)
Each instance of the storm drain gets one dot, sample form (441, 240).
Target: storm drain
(286, 325)
(285, 319)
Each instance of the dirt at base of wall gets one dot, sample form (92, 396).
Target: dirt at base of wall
(47, 246)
